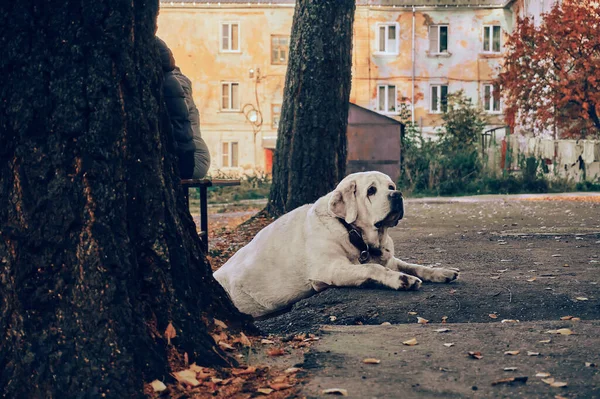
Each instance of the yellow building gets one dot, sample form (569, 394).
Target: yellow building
(405, 52)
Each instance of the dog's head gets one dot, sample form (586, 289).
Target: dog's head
(369, 201)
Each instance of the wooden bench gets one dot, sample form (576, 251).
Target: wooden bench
(203, 185)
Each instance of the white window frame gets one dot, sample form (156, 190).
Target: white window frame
(491, 100)
(229, 49)
(229, 163)
(387, 96)
(439, 110)
(231, 107)
(491, 42)
(287, 49)
(437, 50)
(388, 50)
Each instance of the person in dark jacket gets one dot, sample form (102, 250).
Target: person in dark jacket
(178, 112)
(202, 155)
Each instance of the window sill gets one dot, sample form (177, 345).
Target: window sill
(439, 55)
(230, 51)
(484, 54)
(384, 54)
(230, 111)
(387, 113)
(494, 112)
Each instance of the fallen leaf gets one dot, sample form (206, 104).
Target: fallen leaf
(502, 271)
(542, 375)
(449, 344)
(581, 298)
(332, 318)
(561, 331)
(170, 333)
(553, 383)
(220, 323)
(493, 316)
(575, 319)
(566, 317)
(266, 341)
(275, 352)
(280, 386)
(588, 364)
(509, 321)
(512, 353)
(226, 346)
(556, 256)
(412, 313)
(411, 342)
(386, 323)
(510, 369)
(511, 380)
(248, 370)
(280, 378)
(545, 341)
(264, 391)
(335, 391)
(530, 353)
(292, 370)
(421, 320)
(158, 386)
(531, 280)
(559, 397)
(310, 339)
(244, 340)
(187, 377)
(442, 330)
(476, 355)
(371, 360)
(216, 380)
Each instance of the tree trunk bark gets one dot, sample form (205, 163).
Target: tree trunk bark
(311, 145)
(98, 252)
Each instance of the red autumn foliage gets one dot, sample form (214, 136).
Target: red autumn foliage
(551, 73)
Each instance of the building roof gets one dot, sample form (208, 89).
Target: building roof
(372, 3)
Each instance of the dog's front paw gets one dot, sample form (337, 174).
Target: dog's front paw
(440, 275)
(407, 282)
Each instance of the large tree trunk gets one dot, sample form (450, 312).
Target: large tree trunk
(98, 252)
(311, 145)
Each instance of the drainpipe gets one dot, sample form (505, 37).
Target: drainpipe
(413, 68)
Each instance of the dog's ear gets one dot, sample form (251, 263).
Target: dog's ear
(343, 202)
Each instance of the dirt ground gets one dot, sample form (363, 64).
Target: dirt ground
(528, 260)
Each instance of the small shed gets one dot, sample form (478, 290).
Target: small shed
(374, 142)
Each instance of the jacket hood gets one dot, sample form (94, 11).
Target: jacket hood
(166, 56)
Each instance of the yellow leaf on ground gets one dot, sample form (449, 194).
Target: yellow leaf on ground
(581, 298)
(158, 386)
(371, 360)
(493, 316)
(264, 391)
(509, 321)
(421, 320)
(226, 346)
(292, 370)
(335, 391)
(249, 370)
(266, 341)
(542, 375)
(545, 341)
(530, 353)
(512, 353)
(411, 342)
(386, 323)
(561, 331)
(412, 313)
(566, 317)
(220, 323)
(170, 333)
(280, 386)
(553, 383)
(187, 377)
(531, 280)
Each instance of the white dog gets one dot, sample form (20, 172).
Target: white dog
(341, 240)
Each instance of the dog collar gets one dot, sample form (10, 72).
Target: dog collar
(357, 240)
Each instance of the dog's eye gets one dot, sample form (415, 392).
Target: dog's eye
(371, 191)
(391, 187)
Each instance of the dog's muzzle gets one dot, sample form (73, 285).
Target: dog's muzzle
(396, 211)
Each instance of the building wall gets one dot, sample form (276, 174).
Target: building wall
(193, 33)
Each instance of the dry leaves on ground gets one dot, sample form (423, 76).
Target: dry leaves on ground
(475, 355)
(553, 383)
(411, 342)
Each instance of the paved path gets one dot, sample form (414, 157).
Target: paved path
(534, 259)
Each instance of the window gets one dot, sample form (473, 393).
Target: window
(279, 49)
(387, 38)
(386, 99)
(438, 39)
(230, 96)
(439, 98)
(229, 154)
(230, 37)
(491, 98)
(491, 39)
(275, 116)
